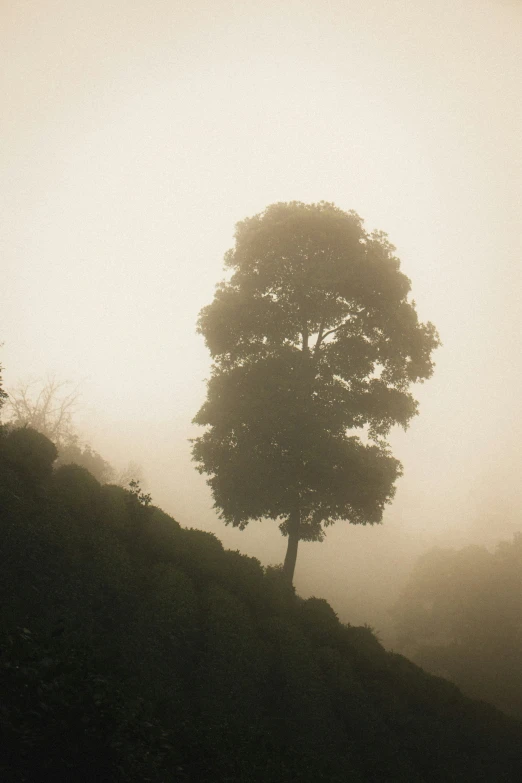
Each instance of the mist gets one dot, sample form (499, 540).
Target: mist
(133, 141)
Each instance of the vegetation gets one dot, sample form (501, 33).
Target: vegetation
(48, 407)
(313, 337)
(460, 617)
(135, 650)
(45, 406)
(3, 393)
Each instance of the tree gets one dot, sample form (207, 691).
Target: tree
(74, 452)
(45, 406)
(459, 616)
(3, 393)
(132, 472)
(143, 498)
(312, 337)
(48, 407)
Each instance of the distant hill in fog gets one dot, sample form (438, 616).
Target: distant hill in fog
(136, 650)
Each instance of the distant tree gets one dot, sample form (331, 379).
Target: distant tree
(84, 455)
(133, 471)
(312, 337)
(460, 617)
(48, 407)
(3, 393)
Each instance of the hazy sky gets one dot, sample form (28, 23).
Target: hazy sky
(136, 134)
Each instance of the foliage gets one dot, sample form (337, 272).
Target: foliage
(132, 649)
(142, 497)
(28, 453)
(48, 406)
(312, 337)
(3, 393)
(460, 616)
(84, 455)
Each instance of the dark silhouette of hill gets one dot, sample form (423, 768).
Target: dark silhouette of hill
(135, 650)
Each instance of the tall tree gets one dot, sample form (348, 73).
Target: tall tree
(312, 337)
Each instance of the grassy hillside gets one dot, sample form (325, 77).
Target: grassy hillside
(135, 650)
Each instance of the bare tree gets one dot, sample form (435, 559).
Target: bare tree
(133, 471)
(48, 406)
(45, 406)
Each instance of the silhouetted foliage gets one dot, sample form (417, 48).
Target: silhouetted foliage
(312, 337)
(460, 616)
(29, 454)
(3, 393)
(132, 649)
(144, 498)
(48, 406)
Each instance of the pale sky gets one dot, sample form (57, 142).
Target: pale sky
(135, 134)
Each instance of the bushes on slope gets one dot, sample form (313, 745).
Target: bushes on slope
(136, 650)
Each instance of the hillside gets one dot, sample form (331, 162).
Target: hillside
(133, 649)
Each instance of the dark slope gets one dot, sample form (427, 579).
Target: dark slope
(135, 650)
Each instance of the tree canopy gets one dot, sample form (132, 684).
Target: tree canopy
(313, 337)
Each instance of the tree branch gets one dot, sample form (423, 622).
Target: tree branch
(319, 336)
(322, 337)
(305, 335)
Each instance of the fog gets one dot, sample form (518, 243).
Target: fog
(135, 135)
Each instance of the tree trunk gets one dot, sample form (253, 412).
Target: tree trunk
(295, 517)
(293, 543)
